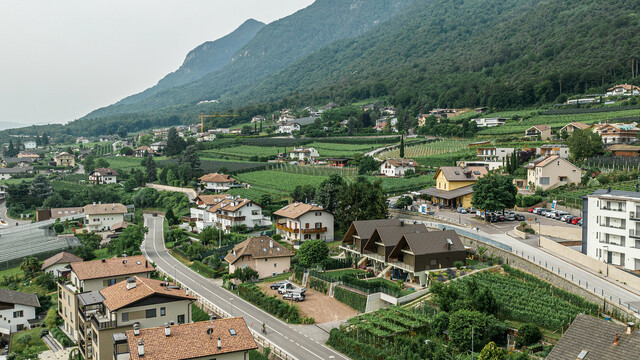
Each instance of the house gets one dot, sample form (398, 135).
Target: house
(202, 204)
(446, 113)
(101, 176)
(339, 162)
(549, 172)
(554, 149)
(161, 133)
(100, 217)
(89, 276)
(16, 310)
(158, 146)
(257, 118)
(136, 303)
(28, 154)
(299, 222)
(384, 239)
(542, 131)
(56, 213)
(453, 185)
(143, 151)
(624, 90)
(570, 127)
(262, 254)
(107, 138)
(489, 164)
(624, 150)
(590, 337)
(58, 264)
(359, 232)
(207, 136)
(583, 101)
(65, 159)
(30, 144)
(389, 110)
(283, 118)
(493, 153)
(617, 133)
(7, 173)
(330, 105)
(304, 154)
(381, 126)
(490, 122)
(235, 212)
(397, 167)
(217, 182)
(611, 231)
(221, 339)
(20, 162)
(288, 128)
(82, 140)
(480, 110)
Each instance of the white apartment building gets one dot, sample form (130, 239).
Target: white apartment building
(493, 153)
(217, 182)
(299, 222)
(202, 203)
(235, 211)
(16, 310)
(397, 167)
(30, 144)
(101, 217)
(490, 122)
(303, 154)
(611, 231)
(288, 128)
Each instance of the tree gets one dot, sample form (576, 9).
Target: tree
(192, 225)
(402, 146)
(528, 334)
(102, 163)
(329, 191)
(485, 328)
(122, 132)
(494, 192)
(303, 193)
(152, 171)
(175, 144)
(361, 200)
(265, 199)
(85, 252)
(171, 218)
(446, 296)
(245, 274)
(52, 319)
(208, 235)
(127, 151)
(129, 241)
(312, 252)
(58, 228)
(246, 130)
(30, 266)
(492, 352)
(584, 144)
(367, 165)
(89, 164)
(41, 188)
(190, 156)
(45, 280)
(403, 202)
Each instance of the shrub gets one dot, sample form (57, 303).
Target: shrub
(270, 304)
(458, 264)
(318, 285)
(44, 332)
(198, 314)
(353, 299)
(528, 334)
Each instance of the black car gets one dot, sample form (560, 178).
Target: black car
(519, 217)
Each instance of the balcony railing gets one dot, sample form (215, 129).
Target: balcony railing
(401, 265)
(634, 215)
(373, 255)
(349, 248)
(314, 230)
(634, 233)
(103, 323)
(286, 228)
(232, 218)
(620, 209)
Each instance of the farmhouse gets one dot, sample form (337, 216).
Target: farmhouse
(397, 167)
(299, 222)
(101, 176)
(552, 171)
(100, 217)
(16, 310)
(7, 173)
(261, 254)
(453, 185)
(624, 150)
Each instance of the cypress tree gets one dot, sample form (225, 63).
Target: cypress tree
(402, 147)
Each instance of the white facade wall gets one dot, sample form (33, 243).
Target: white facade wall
(12, 319)
(218, 186)
(387, 169)
(30, 145)
(308, 221)
(55, 269)
(102, 222)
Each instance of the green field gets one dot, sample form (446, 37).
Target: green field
(324, 149)
(125, 164)
(35, 341)
(428, 149)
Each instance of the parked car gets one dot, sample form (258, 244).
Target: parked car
(277, 285)
(519, 217)
(531, 210)
(462, 210)
(565, 217)
(559, 214)
(295, 296)
(575, 221)
(290, 287)
(510, 215)
(471, 210)
(538, 210)
(568, 219)
(579, 223)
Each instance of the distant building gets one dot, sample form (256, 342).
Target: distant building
(288, 128)
(235, 211)
(217, 182)
(304, 154)
(159, 146)
(543, 131)
(262, 254)
(101, 176)
(7, 173)
(20, 162)
(207, 136)
(101, 217)
(28, 154)
(143, 151)
(82, 140)
(59, 263)
(454, 185)
(617, 133)
(116, 146)
(624, 150)
(65, 159)
(299, 222)
(493, 153)
(490, 122)
(624, 90)
(571, 127)
(549, 172)
(397, 167)
(551, 149)
(16, 310)
(30, 144)
(56, 213)
(257, 118)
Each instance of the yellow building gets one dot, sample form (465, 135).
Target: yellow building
(453, 185)
(65, 159)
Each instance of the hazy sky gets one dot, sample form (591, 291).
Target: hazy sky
(61, 59)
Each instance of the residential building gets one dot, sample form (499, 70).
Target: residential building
(100, 217)
(453, 185)
(359, 232)
(217, 182)
(91, 276)
(549, 172)
(28, 154)
(300, 222)
(30, 144)
(571, 127)
(284, 118)
(617, 133)
(59, 264)
(16, 310)
(107, 138)
(583, 101)
(624, 90)
(381, 126)
(594, 338)
(82, 140)
(262, 254)
(101, 176)
(257, 118)
(137, 302)
(56, 213)
(207, 136)
(384, 239)
(222, 339)
(288, 128)
(551, 149)
(624, 150)
(480, 110)
(493, 153)
(397, 167)
(7, 173)
(489, 164)
(490, 122)
(117, 145)
(611, 230)
(542, 131)
(304, 154)
(65, 159)
(235, 212)
(486, 143)
(202, 204)
(19, 162)
(158, 146)
(161, 133)
(143, 151)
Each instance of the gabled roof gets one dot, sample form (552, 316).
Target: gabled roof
(218, 178)
(18, 159)
(627, 87)
(105, 172)
(429, 242)
(540, 127)
(390, 235)
(15, 297)
(229, 205)
(596, 337)
(64, 153)
(101, 209)
(544, 161)
(448, 194)
(120, 225)
(459, 173)
(118, 296)
(622, 147)
(113, 267)
(295, 210)
(365, 228)
(193, 340)
(16, 170)
(259, 247)
(211, 199)
(401, 162)
(60, 258)
(576, 124)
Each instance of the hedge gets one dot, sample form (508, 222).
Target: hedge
(198, 314)
(270, 304)
(318, 285)
(353, 348)
(353, 299)
(62, 338)
(203, 269)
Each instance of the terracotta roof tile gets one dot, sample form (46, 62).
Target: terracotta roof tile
(259, 247)
(101, 209)
(218, 178)
(295, 210)
(60, 258)
(211, 199)
(97, 269)
(118, 296)
(229, 205)
(402, 162)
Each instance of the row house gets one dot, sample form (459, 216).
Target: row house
(299, 222)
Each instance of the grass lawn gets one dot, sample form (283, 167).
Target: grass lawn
(35, 342)
(101, 253)
(11, 272)
(279, 277)
(336, 274)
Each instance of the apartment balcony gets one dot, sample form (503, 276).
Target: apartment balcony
(231, 218)
(314, 230)
(374, 256)
(402, 266)
(104, 323)
(286, 228)
(634, 215)
(349, 248)
(613, 208)
(634, 233)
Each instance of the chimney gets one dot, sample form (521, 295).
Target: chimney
(167, 330)
(131, 283)
(271, 244)
(629, 328)
(136, 329)
(219, 344)
(140, 348)
(401, 222)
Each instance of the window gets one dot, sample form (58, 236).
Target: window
(180, 319)
(151, 313)
(544, 181)
(163, 311)
(125, 317)
(20, 327)
(306, 225)
(266, 259)
(275, 264)
(18, 314)
(111, 282)
(433, 262)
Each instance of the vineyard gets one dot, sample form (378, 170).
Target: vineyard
(325, 149)
(124, 164)
(387, 322)
(232, 167)
(317, 170)
(428, 149)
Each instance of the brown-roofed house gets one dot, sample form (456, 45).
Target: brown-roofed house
(571, 127)
(299, 222)
(623, 90)
(101, 217)
(16, 310)
(222, 339)
(624, 150)
(453, 185)
(394, 167)
(235, 211)
(97, 274)
(58, 264)
(217, 182)
(135, 289)
(360, 232)
(385, 238)
(103, 176)
(617, 133)
(544, 131)
(552, 171)
(262, 254)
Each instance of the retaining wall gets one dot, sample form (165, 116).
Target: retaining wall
(562, 232)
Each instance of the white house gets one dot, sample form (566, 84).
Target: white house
(82, 140)
(6, 173)
(235, 211)
(16, 310)
(101, 176)
(309, 154)
(490, 122)
(217, 182)
(101, 217)
(552, 171)
(158, 146)
(30, 144)
(489, 153)
(207, 136)
(611, 230)
(202, 203)
(58, 264)
(623, 89)
(257, 118)
(300, 222)
(397, 167)
(288, 128)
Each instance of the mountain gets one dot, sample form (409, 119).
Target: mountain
(208, 57)
(274, 47)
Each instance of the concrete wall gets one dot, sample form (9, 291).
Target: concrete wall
(564, 232)
(519, 233)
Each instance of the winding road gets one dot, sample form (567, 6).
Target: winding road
(288, 338)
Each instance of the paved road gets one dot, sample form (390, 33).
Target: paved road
(191, 194)
(10, 222)
(288, 337)
(578, 274)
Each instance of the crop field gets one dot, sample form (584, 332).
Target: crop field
(279, 180)
(125, 164)
(242, 151)
(428, 149)
(573, 198)
(325, 149)
(317, 170)
(209, 166)
(255, 194)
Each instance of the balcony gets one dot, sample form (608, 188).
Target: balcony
(231, 218)
(286, 228)
(613, 208)
(634, 233)
(401, 265)
(104, 323)
(314, 230)
(634, 215)
(350, 248)
(373, 256)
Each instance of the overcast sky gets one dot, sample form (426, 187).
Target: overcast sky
(61, 59)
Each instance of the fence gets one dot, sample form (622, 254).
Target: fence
(610, 163)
